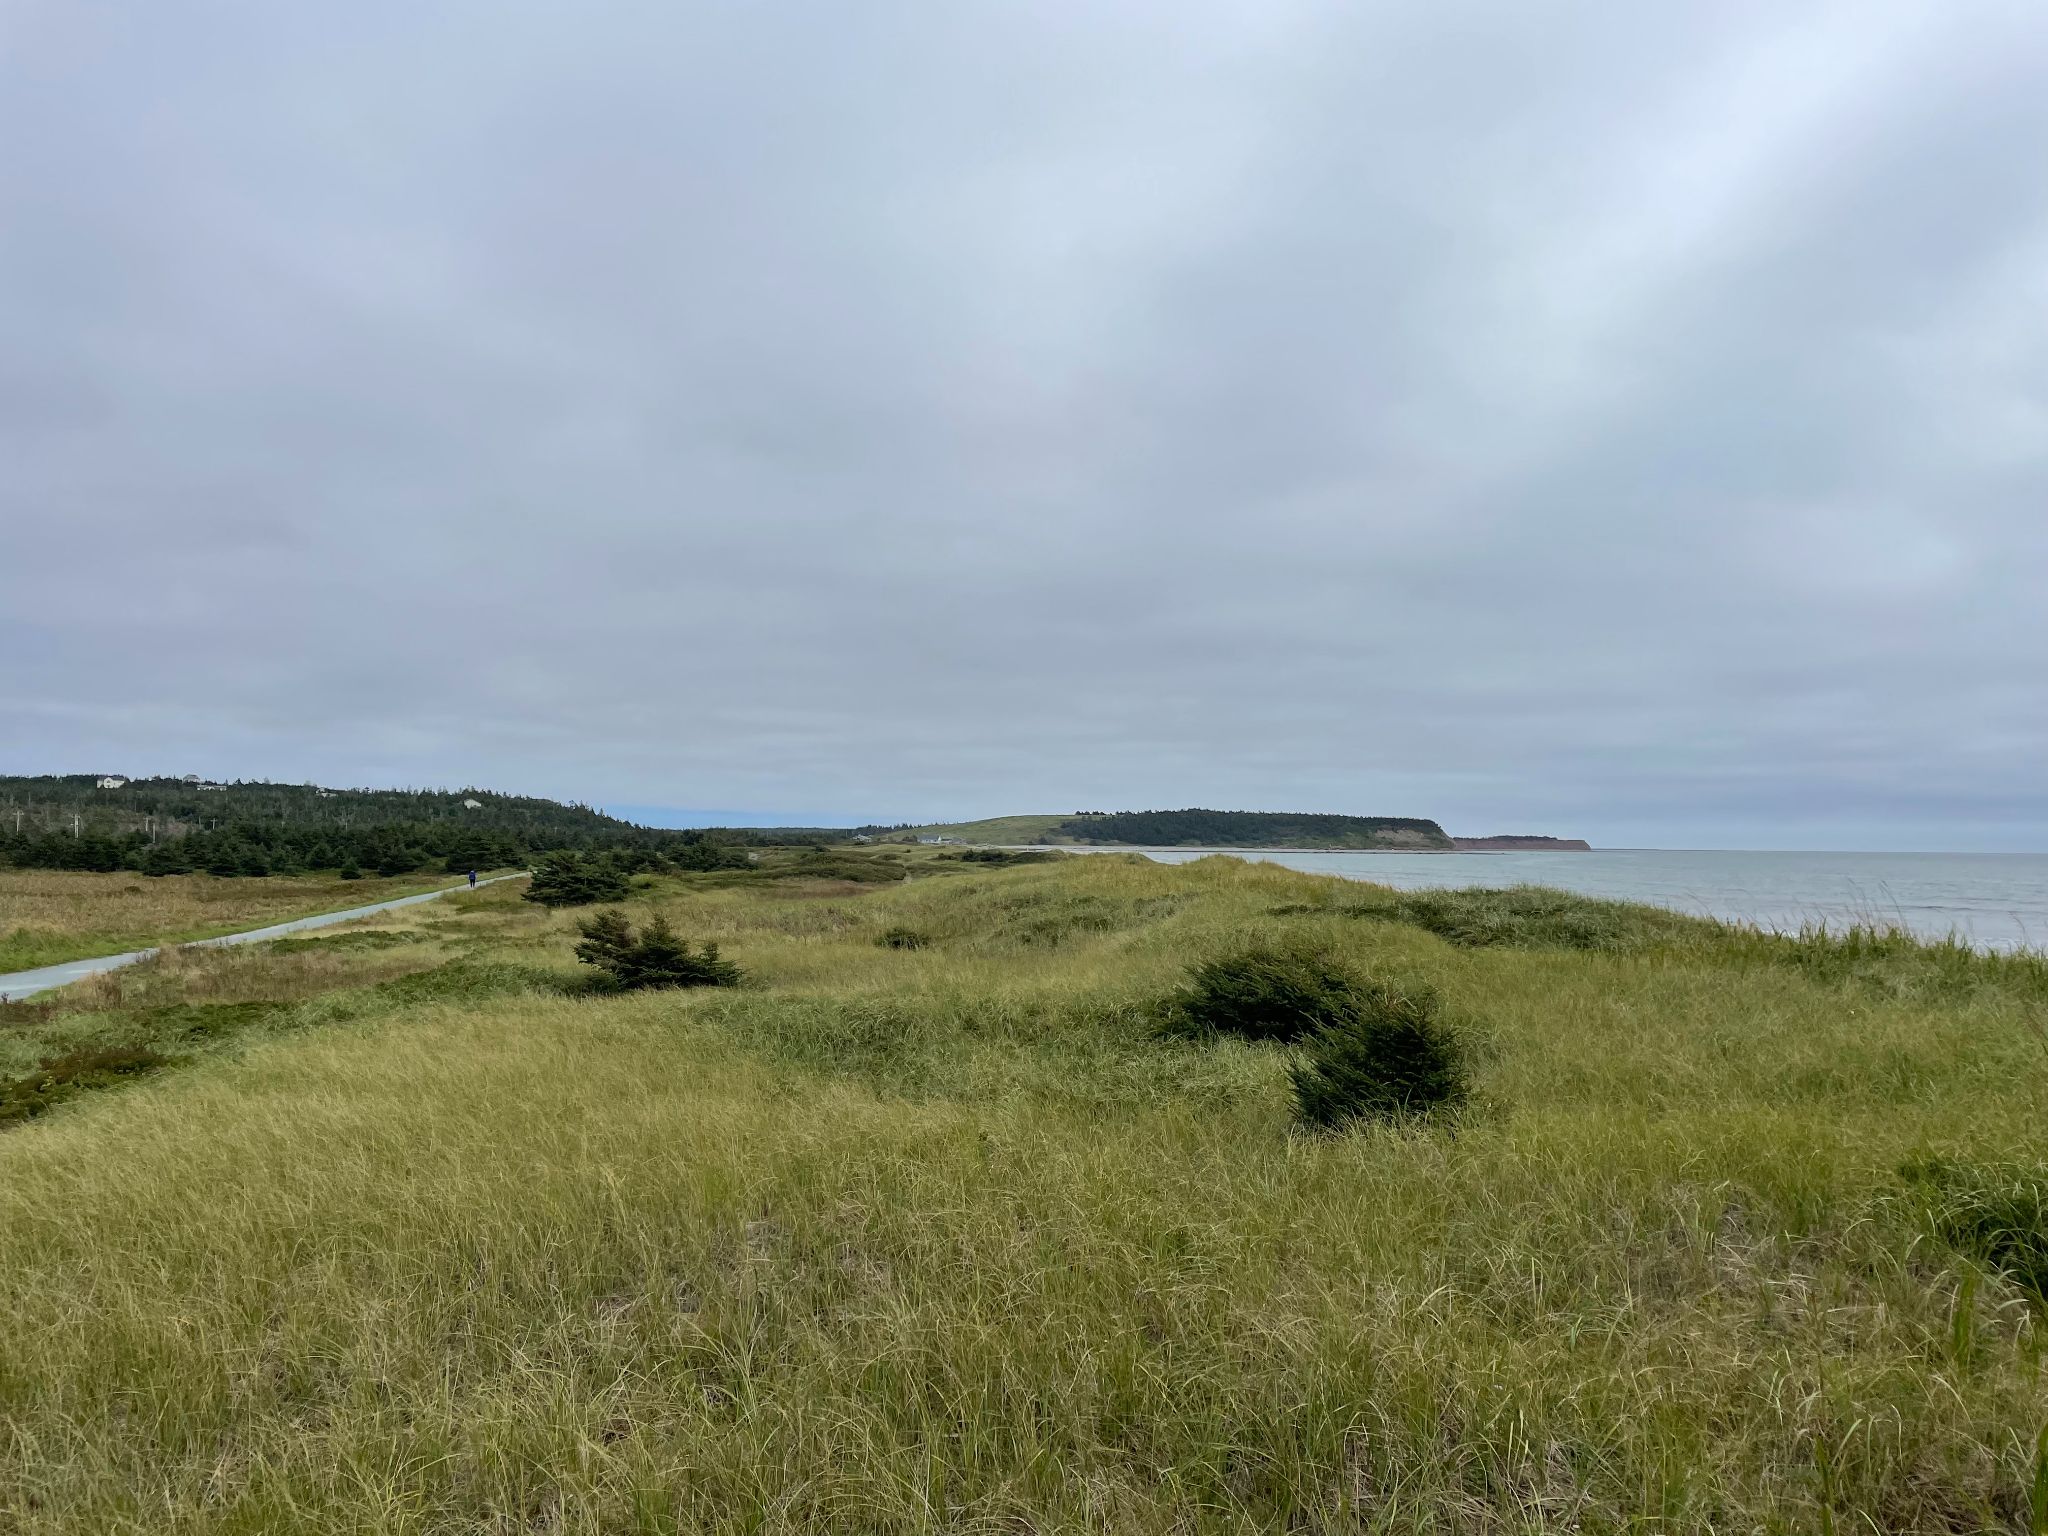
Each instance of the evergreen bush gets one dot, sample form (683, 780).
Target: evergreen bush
(1265, 993)
(1392, 1058)
(704, 856)
(654, 957)
(575, 880)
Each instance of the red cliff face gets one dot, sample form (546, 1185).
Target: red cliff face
(1529, 843)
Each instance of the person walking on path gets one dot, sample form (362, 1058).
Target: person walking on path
(472, 879)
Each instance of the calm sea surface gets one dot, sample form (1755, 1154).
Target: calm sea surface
(1997, 900)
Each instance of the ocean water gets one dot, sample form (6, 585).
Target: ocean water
(1994, 900)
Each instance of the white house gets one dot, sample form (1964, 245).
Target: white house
(112, 781)
(221, 787)
(472, 805)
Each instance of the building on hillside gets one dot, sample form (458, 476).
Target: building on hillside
(112, 781)
(220, 787)
(472, 805)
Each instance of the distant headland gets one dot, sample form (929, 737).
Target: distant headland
(1197, 828)
(1525, 841)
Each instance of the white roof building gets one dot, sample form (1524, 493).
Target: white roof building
(112, 781)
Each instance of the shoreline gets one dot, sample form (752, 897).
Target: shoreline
(1261, 848)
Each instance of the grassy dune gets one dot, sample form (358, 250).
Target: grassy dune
(406, 1234)
(51, 915)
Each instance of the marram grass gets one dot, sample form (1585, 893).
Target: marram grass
(949, 1239)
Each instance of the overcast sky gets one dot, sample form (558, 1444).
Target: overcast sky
(1592, 418)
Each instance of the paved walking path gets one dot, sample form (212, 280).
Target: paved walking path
(20, 984)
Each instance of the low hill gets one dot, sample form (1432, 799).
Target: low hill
(994, 829)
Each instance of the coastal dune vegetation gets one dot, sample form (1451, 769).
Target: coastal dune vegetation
(937, 1215)
(50, 915)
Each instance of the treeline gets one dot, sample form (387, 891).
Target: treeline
(399, 849)
(1252, 829)
(260, 848)
(170, 826)
(64, 802)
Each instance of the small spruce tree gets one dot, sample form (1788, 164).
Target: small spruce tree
(654, 957)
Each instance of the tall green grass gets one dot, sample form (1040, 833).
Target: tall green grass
(946, 1238)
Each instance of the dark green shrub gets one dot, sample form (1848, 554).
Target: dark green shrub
(703, 857)
(1265, 994)
(574, 880)
(169, 857)
(1996, 1214)
(1393, 1059)
(903, 938)
(654, 957)
(63, 1077)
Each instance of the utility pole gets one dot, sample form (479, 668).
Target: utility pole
(74, 825)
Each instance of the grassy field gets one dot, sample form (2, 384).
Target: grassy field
(924, 1228)
(52, 915)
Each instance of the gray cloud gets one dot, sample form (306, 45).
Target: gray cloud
(1600, 418)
